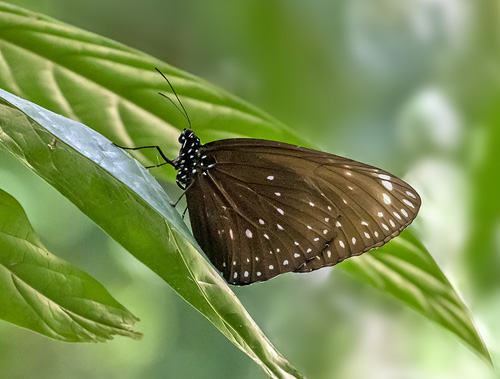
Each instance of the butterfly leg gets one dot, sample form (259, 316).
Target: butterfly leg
(167, 161)
(179, 199)
(183, 193)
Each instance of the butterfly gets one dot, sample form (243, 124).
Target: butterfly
(261, 208)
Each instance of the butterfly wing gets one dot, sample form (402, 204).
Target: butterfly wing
(254, 226)
(374, 207)
(265, 208)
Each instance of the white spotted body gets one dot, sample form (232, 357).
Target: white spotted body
(191, 159)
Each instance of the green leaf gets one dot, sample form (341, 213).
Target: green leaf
(114, 89)
(122, 197)
(43, 293)
(406, 270)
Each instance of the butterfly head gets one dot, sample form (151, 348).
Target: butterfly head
(188, 137)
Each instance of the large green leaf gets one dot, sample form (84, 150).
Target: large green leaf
(122, 197)
(43, 293)
(406, 270)
(113, 89)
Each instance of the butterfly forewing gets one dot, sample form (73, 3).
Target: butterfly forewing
(265, 208)
(374, 205)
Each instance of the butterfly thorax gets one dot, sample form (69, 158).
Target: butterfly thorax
(191, 159)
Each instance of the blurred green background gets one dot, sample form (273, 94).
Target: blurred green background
(411, 86)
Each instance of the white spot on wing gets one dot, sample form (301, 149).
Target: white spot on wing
(231, 233)
(375, 234)
(367, 235)
(311, 204)
(261, 221)
(280, 211)
(403, 211)
(387, 199)
(316, 239)
(387, 184)
(396, 214)
(271, 267)
(338, 224)
(329, 253)
(270, 177)
(341, 243)
(246, 274)
(380, 214)
(353, 241)
(285, 262)
(296, 243)
(392, 223)
(383, 176)
(385, 226)
(266, 236)
(235, 275)
(364, 223)
(296, 255)
(277, 194)
(409, 203)
(411, 194)
(259, 273)
(279, 227)
(309, 250)
(248, 232)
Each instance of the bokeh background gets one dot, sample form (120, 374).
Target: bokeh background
(412, 86)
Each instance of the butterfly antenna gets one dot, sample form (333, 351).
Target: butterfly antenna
(183, 111)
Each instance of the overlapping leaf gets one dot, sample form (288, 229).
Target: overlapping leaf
(122, 197)
(406, 270)
(43, 293)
